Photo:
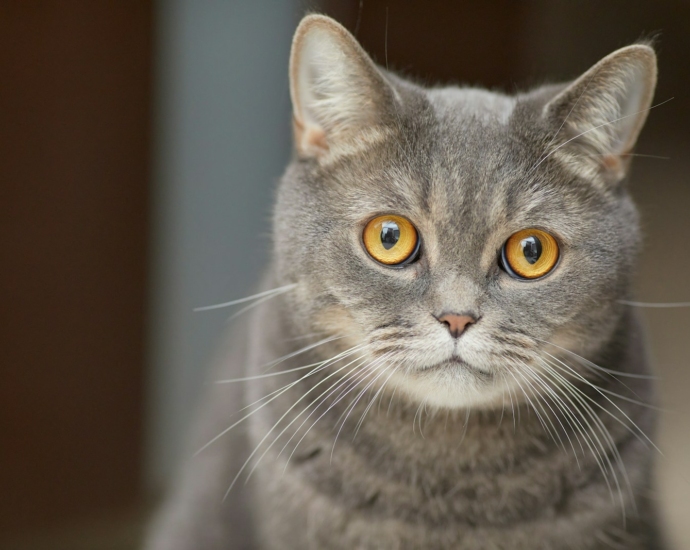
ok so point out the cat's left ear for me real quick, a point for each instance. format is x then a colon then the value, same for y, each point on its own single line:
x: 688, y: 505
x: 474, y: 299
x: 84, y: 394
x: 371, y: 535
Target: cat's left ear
x: 340, y: 99
x: 600, y: 115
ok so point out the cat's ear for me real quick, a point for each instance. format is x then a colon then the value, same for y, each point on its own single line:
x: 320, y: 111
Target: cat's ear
x: 339, y: 97
x: 599, y: 116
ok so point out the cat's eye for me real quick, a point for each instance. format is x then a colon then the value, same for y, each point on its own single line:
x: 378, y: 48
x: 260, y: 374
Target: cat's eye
x: 391, y: 240
x: 530, y: 254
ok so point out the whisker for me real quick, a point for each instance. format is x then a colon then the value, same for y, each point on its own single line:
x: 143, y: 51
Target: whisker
x: 510, y: 396
x: 353, y: 405
x: 654, y: 304
x: 390, y: 403
x: 546, y: 429
x: 592, y: 440
x: 272, y: 292
x: 268, y: 375
x: 270, y: 365
x: 305, y: 336
x: 589, y: 363
x: 277, y: 393
x: 595, y: 128
x: 350, y: 382
x: 560, y: 405
x: 253, y: 305
x: 628, y: 155
x: 353, y: 386
x: 322, y: 365
x: 258, y: 446
x: 572, y: 371
x: 347, y: 379
x: 316, y: 401
x: 364, y: 414
x: 580, y: 397
x: 414, y: 420
x: 543, y: 402
x: 464, y: 427
x: 555, y: 135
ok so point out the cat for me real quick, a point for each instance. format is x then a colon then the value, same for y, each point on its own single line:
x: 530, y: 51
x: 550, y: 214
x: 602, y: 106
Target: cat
x: 442, y: 356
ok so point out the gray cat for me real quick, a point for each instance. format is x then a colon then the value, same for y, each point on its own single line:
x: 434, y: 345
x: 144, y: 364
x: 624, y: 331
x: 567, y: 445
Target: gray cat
x: 447, y: 360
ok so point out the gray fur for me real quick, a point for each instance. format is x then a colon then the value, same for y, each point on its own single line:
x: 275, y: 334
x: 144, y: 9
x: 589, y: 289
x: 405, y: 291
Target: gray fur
x: 448, y: 456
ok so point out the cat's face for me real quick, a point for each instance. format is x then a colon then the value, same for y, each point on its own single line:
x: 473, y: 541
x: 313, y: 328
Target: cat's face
x: 396, y: 219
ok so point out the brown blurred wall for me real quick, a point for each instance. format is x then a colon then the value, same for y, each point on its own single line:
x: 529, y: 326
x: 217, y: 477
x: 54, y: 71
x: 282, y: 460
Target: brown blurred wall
x: 74, y: 144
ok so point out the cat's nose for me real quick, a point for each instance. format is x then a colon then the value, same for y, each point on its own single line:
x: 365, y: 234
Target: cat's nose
x: 456, y: 324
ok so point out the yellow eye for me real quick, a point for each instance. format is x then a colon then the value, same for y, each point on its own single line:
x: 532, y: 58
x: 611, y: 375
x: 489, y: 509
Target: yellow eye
x: 530, y: 253
x: 391, y: 240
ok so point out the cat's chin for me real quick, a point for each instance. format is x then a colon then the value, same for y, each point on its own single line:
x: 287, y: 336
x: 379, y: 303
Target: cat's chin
x: 452, y: 384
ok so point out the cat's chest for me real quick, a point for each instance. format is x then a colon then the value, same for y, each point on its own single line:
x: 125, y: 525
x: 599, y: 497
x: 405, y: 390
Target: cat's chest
x: 368, y: 457
x: 358, y: 499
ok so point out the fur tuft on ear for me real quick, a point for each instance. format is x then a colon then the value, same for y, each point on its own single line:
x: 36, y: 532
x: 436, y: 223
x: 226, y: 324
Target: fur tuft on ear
x: 339, y: 97
x: 600, y: 115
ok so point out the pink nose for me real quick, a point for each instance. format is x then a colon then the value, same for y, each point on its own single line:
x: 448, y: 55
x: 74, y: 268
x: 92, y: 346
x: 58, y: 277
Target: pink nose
x: 456, y: 324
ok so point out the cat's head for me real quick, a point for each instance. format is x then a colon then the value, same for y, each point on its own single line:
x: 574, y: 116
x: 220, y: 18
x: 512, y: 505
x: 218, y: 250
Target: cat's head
x: 455, y: 231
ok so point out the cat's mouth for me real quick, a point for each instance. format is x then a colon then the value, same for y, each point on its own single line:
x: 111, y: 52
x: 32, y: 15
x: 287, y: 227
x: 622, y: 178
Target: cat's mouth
x: 455, y: 362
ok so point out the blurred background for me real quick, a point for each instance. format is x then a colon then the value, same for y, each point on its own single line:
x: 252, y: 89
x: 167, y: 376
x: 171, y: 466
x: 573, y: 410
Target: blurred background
x: 140, y: 144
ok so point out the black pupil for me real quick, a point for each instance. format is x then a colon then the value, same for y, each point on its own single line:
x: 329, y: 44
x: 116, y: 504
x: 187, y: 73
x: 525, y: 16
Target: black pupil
x: 531, y: 248
x: 390, y: 234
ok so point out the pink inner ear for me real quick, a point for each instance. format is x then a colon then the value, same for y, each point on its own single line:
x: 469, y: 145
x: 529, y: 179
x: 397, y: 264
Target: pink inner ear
x: 613, y: 164
x: 310, y: 140
x: 315, y: 139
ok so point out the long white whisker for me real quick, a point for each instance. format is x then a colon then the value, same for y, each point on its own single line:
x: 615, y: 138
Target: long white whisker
x: 278, y: 393
x: 371, y: 367
x: 268, y: 375
x: 594, y: 366
x: 285, y: 358
x: 541, y: 418
x: 351, y: 382
x: 347, y: 379
x: 538, y: 380
x: 609, y: 372
x: 546, y: 429
x: 353, y: 405
x: 595, y: 128
x: 253, y: 305
x: 579, y: 395
x: 659, y: 157
x: 654, y: 304
x: 572, y: 371
x: 566, y: 118
x: 596, y: 447
x: 464, y: 428
x: 560, y: 405
x: 384, y: 369
x: 510, y: 395
x: 258, y: 446
x: 274, y: 291
x: 300, y: 351
x: 321, y: 366
x: 390, y: 403
x: 315, y: 402
x: 364, y: 414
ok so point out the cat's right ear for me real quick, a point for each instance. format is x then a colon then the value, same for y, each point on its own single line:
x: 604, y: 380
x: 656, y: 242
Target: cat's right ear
x: 600, y: 115
x: 339, y: 97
